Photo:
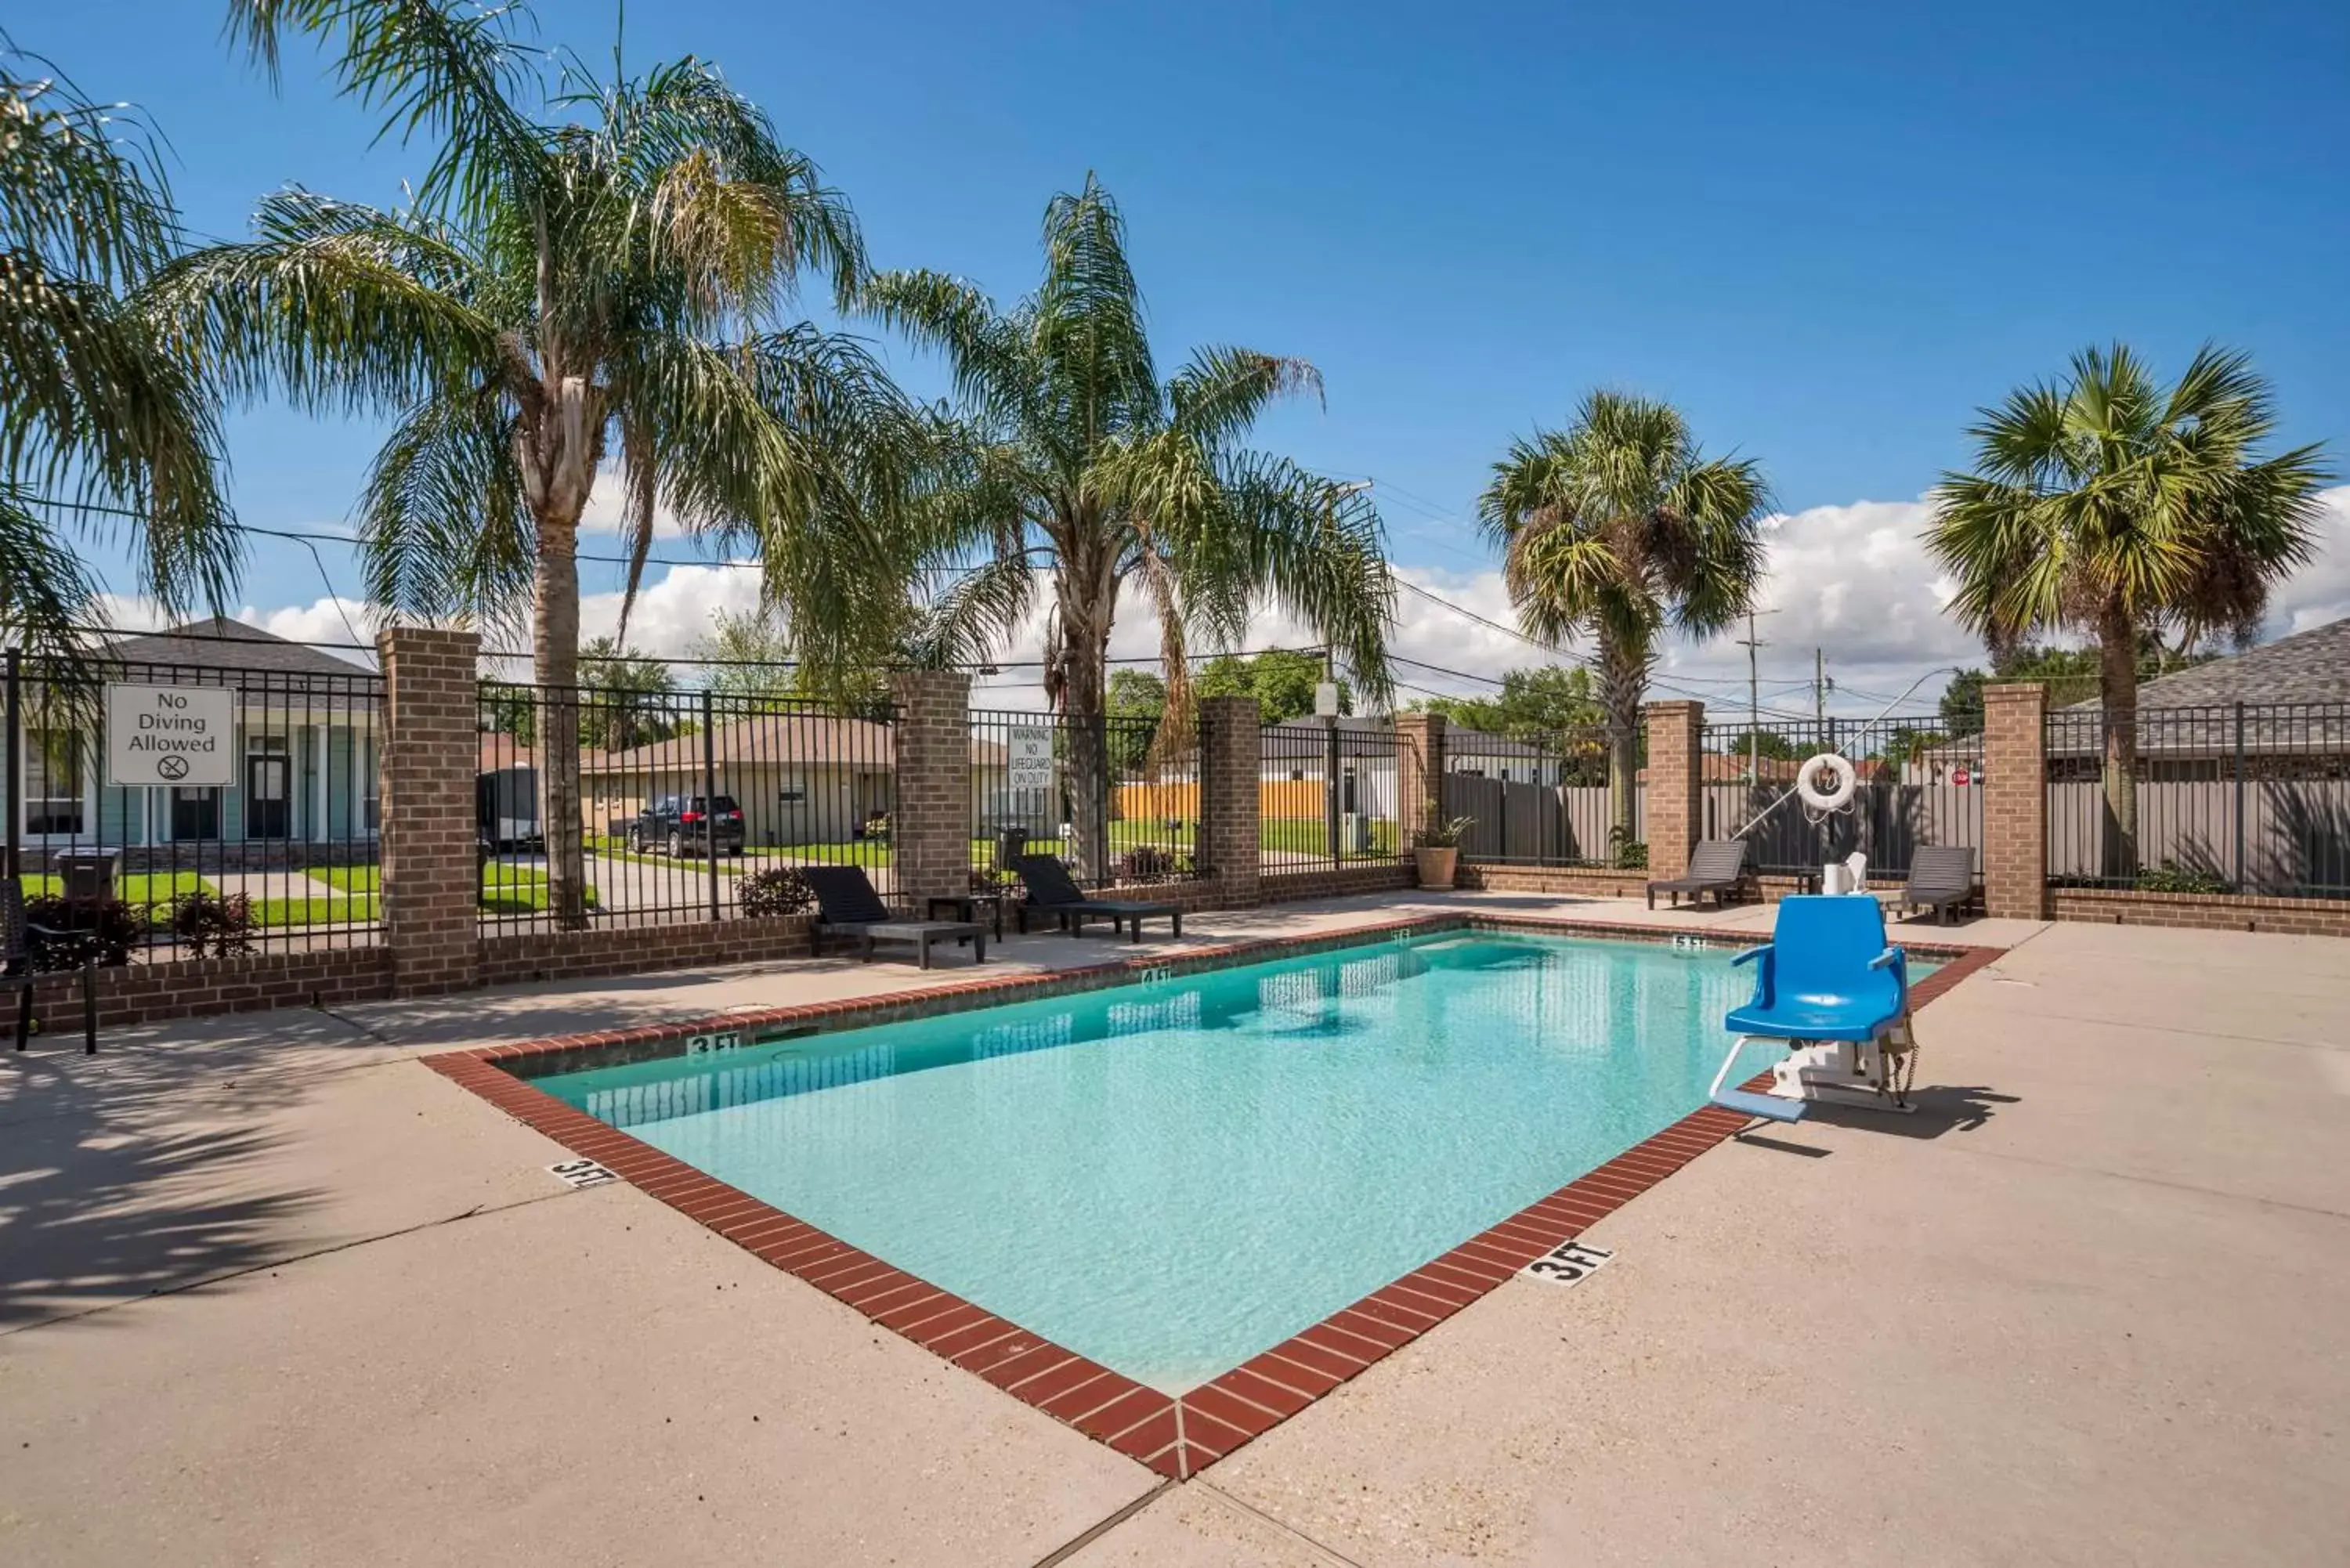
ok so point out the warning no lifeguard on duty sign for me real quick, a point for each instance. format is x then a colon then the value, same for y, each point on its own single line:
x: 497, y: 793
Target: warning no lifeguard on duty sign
x: 170, y: 735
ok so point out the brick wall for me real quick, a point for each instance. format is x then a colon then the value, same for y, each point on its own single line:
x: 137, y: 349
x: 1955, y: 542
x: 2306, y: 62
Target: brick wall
x: 187, y: 987
x: 2204, y: 912
x: 1676, y: 812
x: 929, y: 818
x: 2015, y: 802
x: 1420, y: 775
x: 640, y: 950
x: 431, y: 858
x: 1385, y: 877
x: 1231, y: 759
x: 1562, y: 881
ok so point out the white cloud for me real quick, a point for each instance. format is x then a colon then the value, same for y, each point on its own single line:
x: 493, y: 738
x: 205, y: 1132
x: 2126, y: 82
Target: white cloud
x: 607, y: 505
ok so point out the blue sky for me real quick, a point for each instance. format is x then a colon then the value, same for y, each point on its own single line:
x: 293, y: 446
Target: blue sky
x: 1827, y: 232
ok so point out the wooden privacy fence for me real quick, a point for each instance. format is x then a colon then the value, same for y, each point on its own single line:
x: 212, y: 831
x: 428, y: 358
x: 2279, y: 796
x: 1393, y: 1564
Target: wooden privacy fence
x: 1537, y: 823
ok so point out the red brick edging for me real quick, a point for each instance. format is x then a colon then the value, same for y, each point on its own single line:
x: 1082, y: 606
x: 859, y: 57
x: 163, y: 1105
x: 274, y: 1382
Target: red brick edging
x: 1177, y: 1436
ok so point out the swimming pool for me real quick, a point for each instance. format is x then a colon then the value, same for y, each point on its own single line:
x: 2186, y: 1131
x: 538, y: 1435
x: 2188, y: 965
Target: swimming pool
x: 1169, y: 1178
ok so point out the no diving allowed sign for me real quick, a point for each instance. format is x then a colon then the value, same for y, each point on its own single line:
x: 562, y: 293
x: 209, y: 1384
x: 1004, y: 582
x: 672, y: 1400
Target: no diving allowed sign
x: 170, y: 735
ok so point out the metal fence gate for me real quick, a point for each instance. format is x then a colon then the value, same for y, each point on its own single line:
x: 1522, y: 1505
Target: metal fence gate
x: 167, y: 809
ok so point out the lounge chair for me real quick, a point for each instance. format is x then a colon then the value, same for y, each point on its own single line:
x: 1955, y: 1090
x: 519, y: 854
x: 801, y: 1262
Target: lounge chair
x: 847, y: 906
x: 17, y: 934
x: 1828, y: 977
x: 1941, y: 878
x: 1717, y: 865
x: 1051, y: 890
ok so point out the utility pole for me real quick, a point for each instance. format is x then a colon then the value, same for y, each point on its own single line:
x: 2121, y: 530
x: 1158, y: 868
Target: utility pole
x: 1753, y: 646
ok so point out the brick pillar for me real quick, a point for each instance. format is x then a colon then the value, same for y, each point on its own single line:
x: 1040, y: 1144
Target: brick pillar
x: 2015, y: 801
x: 930, y: 813
x: 429, y: 847
x: 1420, y: 775
x: 1231, y: 764
x: 1676, y: 801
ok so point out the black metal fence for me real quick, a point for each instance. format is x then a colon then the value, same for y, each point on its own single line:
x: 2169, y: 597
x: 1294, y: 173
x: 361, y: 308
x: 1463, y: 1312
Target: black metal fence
x: 1539, y: 799
x: 1117, y: 798
x: 1910, y: 789
x: 205, y: 805
x: 685, y: 800
x: 2238, y: 798
x: 1327, y: 795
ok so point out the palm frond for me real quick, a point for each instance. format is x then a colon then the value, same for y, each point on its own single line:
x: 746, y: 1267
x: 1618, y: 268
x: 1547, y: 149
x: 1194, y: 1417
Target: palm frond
x: 341, y: 306
x: 45, y: 589
x: 447, y: 71
x: 443, y: 534
x: 1219, y: 394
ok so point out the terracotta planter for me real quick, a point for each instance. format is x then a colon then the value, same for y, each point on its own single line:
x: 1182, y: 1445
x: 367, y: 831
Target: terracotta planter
x: 1436, y: 866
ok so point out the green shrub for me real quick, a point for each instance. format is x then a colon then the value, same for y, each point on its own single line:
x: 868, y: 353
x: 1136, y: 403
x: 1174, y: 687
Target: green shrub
x: 214, y: 924
x: 2176, y: 878
x: 106, y: 933
x: 1146, y: 863
x: 777, y: 890
x: 1631, y: 855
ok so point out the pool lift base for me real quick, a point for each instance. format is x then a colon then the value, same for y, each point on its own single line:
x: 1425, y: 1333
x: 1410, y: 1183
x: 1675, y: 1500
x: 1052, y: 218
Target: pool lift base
x: 1864, y: 1073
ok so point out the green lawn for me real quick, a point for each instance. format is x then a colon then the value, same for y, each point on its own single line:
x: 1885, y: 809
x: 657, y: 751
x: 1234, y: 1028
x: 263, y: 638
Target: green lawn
x: 135, y: 888
x: 1311, y: 836
x: 516, y: 889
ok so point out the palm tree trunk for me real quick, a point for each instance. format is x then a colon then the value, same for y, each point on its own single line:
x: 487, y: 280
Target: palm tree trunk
x: 1085, y: 650
x: 554, y: 655
x: 1623, y: 681
x: 2117, y: 687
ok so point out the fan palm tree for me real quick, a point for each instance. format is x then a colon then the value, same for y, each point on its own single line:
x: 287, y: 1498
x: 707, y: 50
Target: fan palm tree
x: 1619, y: 526
x: 1081, y: 465
x: 587, y: 270
x: 100, y: 425
x: 2109, y: 505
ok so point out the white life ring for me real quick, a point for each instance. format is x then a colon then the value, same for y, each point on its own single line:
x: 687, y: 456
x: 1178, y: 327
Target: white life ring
x: 1847, y: 778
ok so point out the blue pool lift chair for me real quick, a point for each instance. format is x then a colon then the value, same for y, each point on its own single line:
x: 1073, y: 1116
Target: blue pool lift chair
x: 1829, y: 976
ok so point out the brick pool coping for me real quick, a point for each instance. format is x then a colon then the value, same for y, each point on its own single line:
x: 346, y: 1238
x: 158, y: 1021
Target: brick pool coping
x: 1178, y: 1436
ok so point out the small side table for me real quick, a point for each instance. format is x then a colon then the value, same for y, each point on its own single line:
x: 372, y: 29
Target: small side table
x: 965, y: 906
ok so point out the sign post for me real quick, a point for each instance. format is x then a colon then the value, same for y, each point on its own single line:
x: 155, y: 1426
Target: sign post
x: 165, y: 735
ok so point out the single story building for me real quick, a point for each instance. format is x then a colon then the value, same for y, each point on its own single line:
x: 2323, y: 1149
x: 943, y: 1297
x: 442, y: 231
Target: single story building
x: 303, y: 751
x: 800, y: 777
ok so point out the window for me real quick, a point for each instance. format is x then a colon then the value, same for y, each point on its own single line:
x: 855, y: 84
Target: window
x: 52, y: 781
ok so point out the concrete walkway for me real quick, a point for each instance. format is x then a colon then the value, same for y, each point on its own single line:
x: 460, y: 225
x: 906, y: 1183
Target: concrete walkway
x: 271, y: 1291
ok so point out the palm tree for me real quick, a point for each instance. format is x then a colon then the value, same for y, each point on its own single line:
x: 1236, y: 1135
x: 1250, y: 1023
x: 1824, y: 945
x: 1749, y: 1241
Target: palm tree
x: 100, y: 425
x: 1618, y: 526
x: 1081, y: 465
x: 587, y: 269
x: 2109, y: 505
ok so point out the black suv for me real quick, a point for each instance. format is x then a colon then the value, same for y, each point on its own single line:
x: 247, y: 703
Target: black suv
x: 686, y: 823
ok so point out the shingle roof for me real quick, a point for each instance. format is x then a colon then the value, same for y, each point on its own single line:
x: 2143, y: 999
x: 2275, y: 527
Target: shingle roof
x: 801, y: 739
x: 2311, y: 666
x: 221, y: 643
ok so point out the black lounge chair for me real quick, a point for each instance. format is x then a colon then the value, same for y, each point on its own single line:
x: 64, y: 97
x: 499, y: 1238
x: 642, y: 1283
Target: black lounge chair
x: 1717, y: 865
x: 1941, y: 878
x: 1051, y: 890
x: 17, y: 934
x: 847, y: 906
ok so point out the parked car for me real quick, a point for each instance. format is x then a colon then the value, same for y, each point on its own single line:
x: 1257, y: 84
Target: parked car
x: 686, y: 823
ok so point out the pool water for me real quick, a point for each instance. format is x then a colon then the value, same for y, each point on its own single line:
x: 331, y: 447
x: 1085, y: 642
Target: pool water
x: 1171, y: 1177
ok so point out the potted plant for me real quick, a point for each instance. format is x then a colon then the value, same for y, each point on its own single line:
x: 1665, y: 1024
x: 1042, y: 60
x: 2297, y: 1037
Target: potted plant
x: 1438, y: 850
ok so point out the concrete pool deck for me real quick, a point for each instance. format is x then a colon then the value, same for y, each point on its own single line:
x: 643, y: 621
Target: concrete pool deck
x: 2084, y: 1307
